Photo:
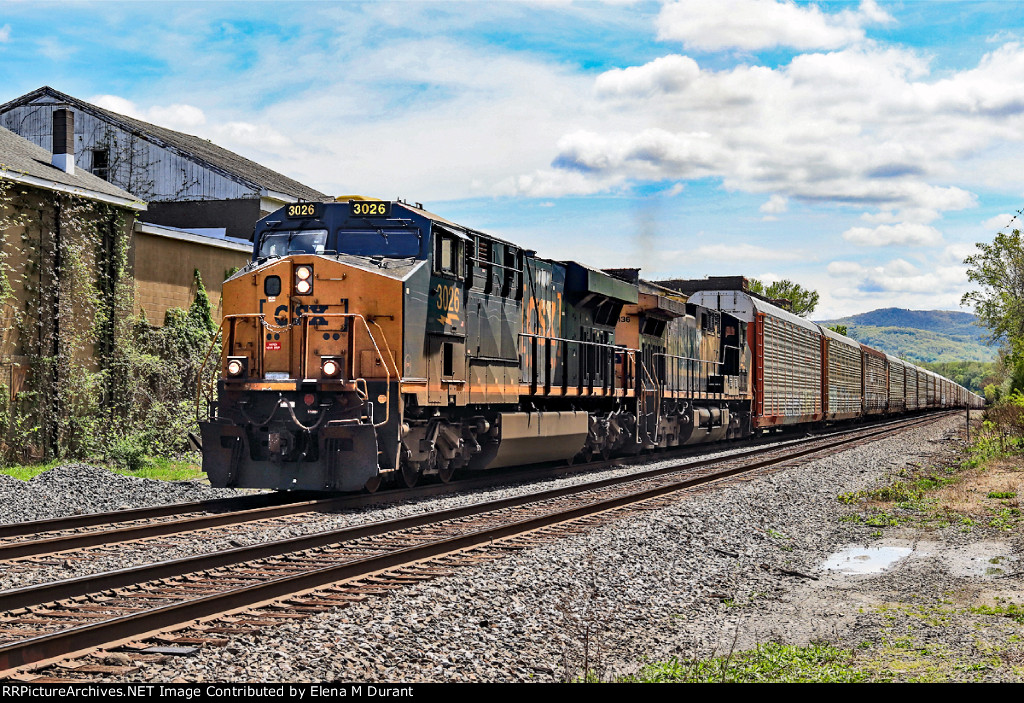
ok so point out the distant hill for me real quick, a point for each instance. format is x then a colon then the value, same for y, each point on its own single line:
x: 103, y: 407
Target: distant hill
x: 920, y: 335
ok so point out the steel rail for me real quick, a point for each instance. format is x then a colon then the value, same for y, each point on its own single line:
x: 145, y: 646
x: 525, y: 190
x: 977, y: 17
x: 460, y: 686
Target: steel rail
x: 277, y: 505
x: 91, y: 635
x: 69, y: 588
x: 71, y: 522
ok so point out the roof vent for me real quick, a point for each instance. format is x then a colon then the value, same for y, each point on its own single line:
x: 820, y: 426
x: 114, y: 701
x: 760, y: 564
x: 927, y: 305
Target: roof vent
x: 64, y: 140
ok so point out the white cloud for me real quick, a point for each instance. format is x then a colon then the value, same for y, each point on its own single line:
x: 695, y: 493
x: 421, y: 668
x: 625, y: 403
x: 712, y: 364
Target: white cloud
x: 845, y: 268
x: 865, y: 126
x: 903, y: 234
x: 932, y: 285
x: 920, y: 215
x: 5, y: 34
x: 177, y: 116
x: 55, y: 49
x: 763, y: 24
x: 668, y: 74
x: 775, y: 205
x: 999, y: 223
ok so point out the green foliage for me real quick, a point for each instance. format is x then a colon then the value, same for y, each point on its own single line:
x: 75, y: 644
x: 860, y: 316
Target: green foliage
x: 156, y: 410
x: 839, y: 329
x: 922, y: 346
x: 767, y: 663
x: 801, y: 301
x: 947, y: 322
x: 99, y: 383
x: 1004, y: 423
x: 973, y: 375
x: 992, y: 393
x: 999, y: 269
x: 75, y: 292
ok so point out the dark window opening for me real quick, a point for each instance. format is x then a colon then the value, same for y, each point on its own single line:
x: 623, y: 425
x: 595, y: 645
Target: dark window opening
x: 101, y: 163
x: 272, y: 285
x: 653, y: 326
x: 448, y: 353
x: 448, y: 256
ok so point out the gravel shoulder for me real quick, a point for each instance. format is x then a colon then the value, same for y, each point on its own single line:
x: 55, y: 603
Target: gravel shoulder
x: 717, y: 572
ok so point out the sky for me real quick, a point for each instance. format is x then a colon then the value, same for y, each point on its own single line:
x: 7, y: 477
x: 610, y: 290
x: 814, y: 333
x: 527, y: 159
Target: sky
x: 858, y: 148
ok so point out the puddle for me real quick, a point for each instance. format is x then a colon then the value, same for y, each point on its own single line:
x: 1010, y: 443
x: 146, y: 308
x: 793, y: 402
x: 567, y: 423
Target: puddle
x: 865, y: 560
x: 985, y: 559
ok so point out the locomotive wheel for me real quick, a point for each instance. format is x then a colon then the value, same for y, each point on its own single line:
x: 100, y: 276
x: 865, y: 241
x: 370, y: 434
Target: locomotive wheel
x: 372, y: 484
x: 446, y: 474
x: 410, y: 475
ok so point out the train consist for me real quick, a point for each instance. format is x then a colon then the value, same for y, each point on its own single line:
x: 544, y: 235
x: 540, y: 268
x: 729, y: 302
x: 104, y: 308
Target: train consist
x: 372, y: 342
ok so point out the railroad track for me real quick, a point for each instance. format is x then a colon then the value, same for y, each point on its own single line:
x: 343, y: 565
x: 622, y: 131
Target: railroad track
x: 80, y: 532
x: 44, y: 622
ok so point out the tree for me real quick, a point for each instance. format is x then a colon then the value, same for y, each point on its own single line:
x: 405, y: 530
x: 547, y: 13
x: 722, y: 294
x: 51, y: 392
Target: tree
x: 839, y: 329
x: 799, y: 300
x: 999, y: 269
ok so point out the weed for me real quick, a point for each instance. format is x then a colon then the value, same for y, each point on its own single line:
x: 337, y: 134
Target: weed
x: 1012, y: 611
x: 770, y: 662
x: 585, y: 619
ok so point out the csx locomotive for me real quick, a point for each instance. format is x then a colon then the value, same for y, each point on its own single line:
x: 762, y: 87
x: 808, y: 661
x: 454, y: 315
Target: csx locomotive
x: 371, y: 342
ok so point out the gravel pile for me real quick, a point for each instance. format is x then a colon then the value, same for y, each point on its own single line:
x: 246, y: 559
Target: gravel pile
x: 74, y: 489
x: 722, y: 570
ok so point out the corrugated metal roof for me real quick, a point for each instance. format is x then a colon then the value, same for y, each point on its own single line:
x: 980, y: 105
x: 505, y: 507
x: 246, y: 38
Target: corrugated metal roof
x: 743, y: 306
x: 197, y: 148
x: 19, y: 156
x: 842, y: 338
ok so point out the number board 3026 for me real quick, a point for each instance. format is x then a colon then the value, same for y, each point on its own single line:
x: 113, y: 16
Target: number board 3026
x: 370, y: 208
x: 304, y: 210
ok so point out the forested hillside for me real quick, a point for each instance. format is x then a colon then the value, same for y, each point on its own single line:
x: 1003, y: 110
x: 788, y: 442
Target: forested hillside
x: 920, y: 336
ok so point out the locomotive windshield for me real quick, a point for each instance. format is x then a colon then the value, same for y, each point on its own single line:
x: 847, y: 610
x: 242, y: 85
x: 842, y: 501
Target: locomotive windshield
x: 310, y: 241
x: 396, y: 243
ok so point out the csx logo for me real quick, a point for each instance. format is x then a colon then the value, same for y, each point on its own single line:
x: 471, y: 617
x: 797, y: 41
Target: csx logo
x: 281, y: 314
x: 449, y: 303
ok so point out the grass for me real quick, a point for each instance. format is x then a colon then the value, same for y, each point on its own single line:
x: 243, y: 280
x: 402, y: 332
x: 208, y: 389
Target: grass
x: 158, y: 468
x: 980, y: 491
x: 770, y: 662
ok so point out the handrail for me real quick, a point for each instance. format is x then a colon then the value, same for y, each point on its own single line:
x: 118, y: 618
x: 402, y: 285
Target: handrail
x: 302, y: 320
x: 351, y: 361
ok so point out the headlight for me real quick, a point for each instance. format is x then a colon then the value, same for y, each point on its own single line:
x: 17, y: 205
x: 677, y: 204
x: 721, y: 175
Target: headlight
x: 236, y: 366
x: 330, y: 366
x: 303, y: 280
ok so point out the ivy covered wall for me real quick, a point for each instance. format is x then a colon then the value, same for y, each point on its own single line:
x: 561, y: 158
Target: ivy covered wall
x: 66, y: 302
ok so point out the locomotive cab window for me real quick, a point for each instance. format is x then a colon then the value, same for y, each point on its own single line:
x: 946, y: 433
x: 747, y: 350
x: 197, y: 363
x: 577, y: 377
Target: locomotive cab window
x: 310, y: 241
x: 448, y: 255
x: 391, y: 244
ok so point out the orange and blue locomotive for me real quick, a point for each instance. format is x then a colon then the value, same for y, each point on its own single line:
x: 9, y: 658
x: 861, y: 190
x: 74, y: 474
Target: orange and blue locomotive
x: 371, y: 342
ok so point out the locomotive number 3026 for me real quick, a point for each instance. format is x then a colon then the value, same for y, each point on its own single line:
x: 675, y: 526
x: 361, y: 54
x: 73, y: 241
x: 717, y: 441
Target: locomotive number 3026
x: 371, y: 208
x: 302, y: 210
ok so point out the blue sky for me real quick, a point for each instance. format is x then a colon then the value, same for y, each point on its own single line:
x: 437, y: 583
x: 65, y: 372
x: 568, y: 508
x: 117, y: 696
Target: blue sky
x: 858, y: 148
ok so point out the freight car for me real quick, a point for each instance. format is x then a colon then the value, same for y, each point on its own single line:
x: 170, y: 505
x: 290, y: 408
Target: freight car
x: 371, y: 342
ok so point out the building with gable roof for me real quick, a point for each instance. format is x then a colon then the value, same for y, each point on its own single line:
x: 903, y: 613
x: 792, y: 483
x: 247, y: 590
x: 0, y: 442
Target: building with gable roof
x: 188, y: 182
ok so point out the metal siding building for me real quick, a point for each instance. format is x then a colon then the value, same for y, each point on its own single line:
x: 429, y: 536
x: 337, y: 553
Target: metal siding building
x: 189, y: 182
